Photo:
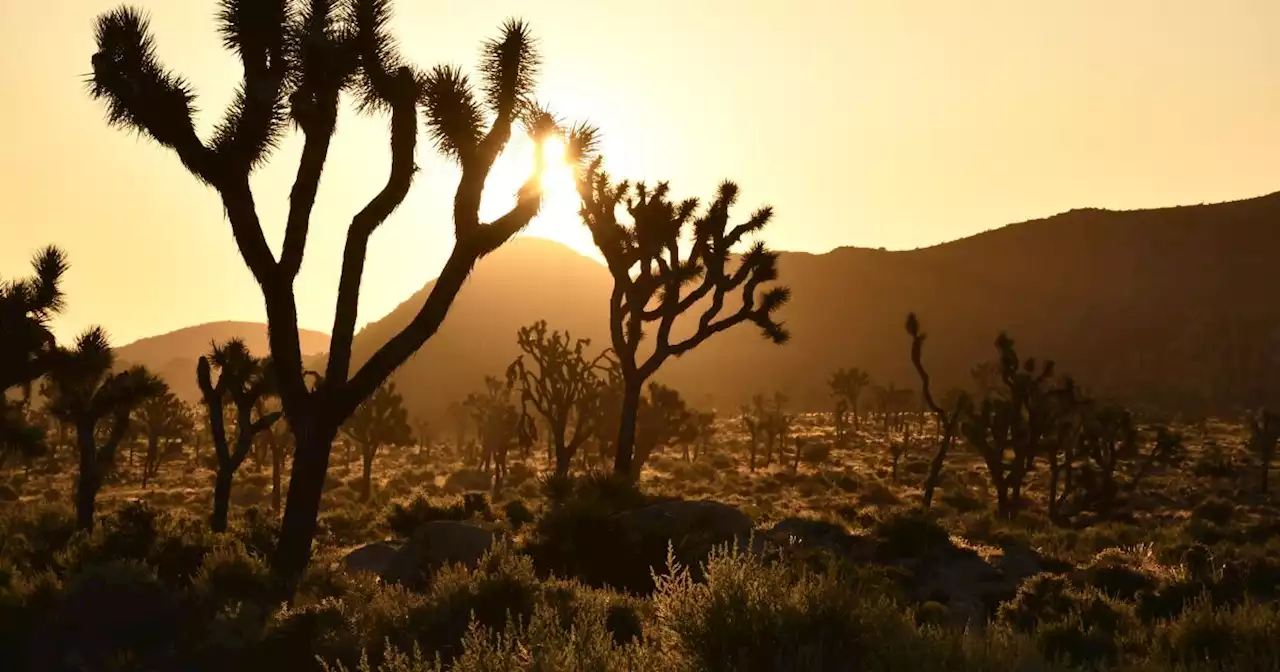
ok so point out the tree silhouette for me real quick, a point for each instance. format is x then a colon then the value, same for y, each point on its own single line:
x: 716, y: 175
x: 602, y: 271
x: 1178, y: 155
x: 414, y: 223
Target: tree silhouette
x: 499, y: 426
x: 1013, y: 423
x: 561, y: 384
x: 243, y: 380
x: 668, y: 262
x: 164, y: 418
x: 380, y: 421
x: 846, y: 386
x: 27, y: 346
x: 1264, y: 438
x: 663, y: 420
x: 948, y: 417
x: 82, y: 389
x: 299, y: 58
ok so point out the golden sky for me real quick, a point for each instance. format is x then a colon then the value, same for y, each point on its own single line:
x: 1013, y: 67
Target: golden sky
x: 894, y: 123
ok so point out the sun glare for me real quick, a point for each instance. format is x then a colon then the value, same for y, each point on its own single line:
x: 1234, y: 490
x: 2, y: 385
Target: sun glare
x: 558, y: 220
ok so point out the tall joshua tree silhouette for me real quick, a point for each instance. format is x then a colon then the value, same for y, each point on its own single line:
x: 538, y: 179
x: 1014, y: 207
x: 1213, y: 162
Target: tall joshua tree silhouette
x: 659, y: 276
x: 299, y: 57
x: 245, y: 381
x: 27, y: 345
x: 83, y: 390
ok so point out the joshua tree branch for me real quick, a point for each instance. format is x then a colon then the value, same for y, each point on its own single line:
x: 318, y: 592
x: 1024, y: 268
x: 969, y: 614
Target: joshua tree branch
x: 403, y: 143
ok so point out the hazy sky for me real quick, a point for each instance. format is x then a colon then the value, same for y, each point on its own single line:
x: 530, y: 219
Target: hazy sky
x: 895, y: 123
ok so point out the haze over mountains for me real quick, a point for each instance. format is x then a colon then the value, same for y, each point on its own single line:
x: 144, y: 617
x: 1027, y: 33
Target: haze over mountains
x: 173, y: 355
x: 1166, y: 305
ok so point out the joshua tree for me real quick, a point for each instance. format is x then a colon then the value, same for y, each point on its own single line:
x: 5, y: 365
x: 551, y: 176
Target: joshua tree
x: 27, y: 346
x: 83, y: 390
x: 704, y: 426
x: 243, y: 380
x: 424, y: 433
x: 499, y: 426
x: 1264, y: 437
x: 299, y: 58
x: 759, y: 420
x: 459, y: 419
x: 668, y: 262
x: 948, y: 417
x: 846, y: 386
x: 164, y: 418
x: 380, y: 421
x: 664, y: 419
x: 1014, y: 423
x: 561, y: 384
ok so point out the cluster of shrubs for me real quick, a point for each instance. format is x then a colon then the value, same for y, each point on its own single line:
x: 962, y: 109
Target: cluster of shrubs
x: 571, y: 589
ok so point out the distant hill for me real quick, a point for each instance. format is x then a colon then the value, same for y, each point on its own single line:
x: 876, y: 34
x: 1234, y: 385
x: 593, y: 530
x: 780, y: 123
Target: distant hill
x: 1157, y: 306
x: 173, y: 355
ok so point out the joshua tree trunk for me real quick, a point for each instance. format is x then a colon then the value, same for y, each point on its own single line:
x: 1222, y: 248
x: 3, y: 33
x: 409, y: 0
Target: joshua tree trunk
x: 366, y: 478
x: 277, y: 466
x: 221, y: 497
x: 622, y: 460
x: 86, y: 494
x: 564, y: 457
x: 302, y: 505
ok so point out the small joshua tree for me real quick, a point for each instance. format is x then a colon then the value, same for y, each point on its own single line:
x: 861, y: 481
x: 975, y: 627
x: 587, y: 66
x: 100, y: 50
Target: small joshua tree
x: 664, y: 419
x: 380, y: 421
x: 659, y: 275
x: 948, y: 417
x: 299, y: 59
x: 499, y: 426
x: 165, y: 419
x: 1264, y: 437
x: 704, y: 430
x: 846, y: 387
x: 1008, y: 429
x: 27, y: 346
x: 561, y: 384
x: 243, y: 380
x: 83, y: 390
x: 424, y: 433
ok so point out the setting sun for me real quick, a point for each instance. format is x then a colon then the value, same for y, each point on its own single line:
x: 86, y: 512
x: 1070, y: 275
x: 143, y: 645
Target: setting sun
x: 558, y: 219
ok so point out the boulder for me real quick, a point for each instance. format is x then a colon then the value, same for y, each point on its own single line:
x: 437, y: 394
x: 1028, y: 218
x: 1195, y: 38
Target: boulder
x: 373, y: 558
x: 437, y: 543
x: 807, y: 533
x: 693, y: 527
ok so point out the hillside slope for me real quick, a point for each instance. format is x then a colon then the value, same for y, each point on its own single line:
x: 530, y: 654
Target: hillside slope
x: 173, y: 355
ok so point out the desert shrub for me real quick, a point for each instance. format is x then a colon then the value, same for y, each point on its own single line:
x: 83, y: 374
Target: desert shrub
x: 750, y: 615
x: 231, y: 574
x: 468, y: 479
x: 722, y: 462
x: 257, y: 530
x: 1080, y: 625
x: 349, y: 525
x: 910, y: 533
x: 25, y: 600
x: 33, y: 538
x: 1111, y: 572
x: 403, y: 518
x: 296, y: 636
x: 1216, y: 510
x: 541, y: 642
x: 503, y: 586
x: 583, y: 536
x: 518, y: 513
x: 114, y: 611
x: 1246, y: 637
